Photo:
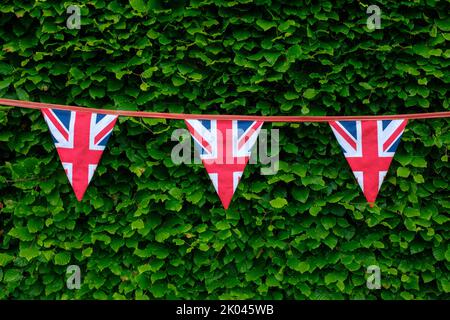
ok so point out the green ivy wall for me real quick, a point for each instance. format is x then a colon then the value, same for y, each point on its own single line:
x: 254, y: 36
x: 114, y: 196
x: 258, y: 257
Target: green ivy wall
x: 150, y: 229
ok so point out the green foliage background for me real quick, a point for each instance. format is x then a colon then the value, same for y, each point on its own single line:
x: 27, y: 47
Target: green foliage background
x: 150, y: 229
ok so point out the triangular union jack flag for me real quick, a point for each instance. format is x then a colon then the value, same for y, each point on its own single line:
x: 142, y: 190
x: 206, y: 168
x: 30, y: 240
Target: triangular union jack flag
x: 225, y: 148
x: 369, y: 147
x: 80, y: 138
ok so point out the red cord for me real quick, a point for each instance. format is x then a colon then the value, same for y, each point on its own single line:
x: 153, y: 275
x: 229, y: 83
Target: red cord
x: 182, y: 116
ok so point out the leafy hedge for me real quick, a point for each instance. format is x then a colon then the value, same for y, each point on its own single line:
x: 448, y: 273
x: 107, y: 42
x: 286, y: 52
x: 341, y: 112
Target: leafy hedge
x: 150, y: 229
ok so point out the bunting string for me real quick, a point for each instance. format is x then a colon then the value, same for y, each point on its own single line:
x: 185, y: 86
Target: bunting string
x: 185, y: 116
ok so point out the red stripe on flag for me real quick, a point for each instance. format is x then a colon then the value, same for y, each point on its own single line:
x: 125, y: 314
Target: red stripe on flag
x: 105, y: 130
x: 344, y: 134
x: 56, y: 123
x: 249, y: 133
x: 395, y: 135
x: 198, y: 137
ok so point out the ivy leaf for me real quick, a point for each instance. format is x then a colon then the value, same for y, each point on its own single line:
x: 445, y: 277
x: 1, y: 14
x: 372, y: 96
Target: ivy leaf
x: 222, y: 225
x: 278, y: 203
x: 296, y: 264
x: 21, y: 233
x: 291, y: 95
x: 447, y: 254
x: 403, y: 172
x: 173, y: 205
x: 97, y: 92
x: 159, y: 289
x: 5, y: 259
x: 29, y: 252
x: 137, y: 224
x: 265, y: 25
x: 419, y: 162
x: 5, y: 69
x: 300, y: 194
x: 294, y: 53
x: 162, y: 235
x: 138, y: 5
x: 5, y: 83
x: 12, y: 275
x: 62, y: 258
x: 87, y: 252
x: 309, y: 93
